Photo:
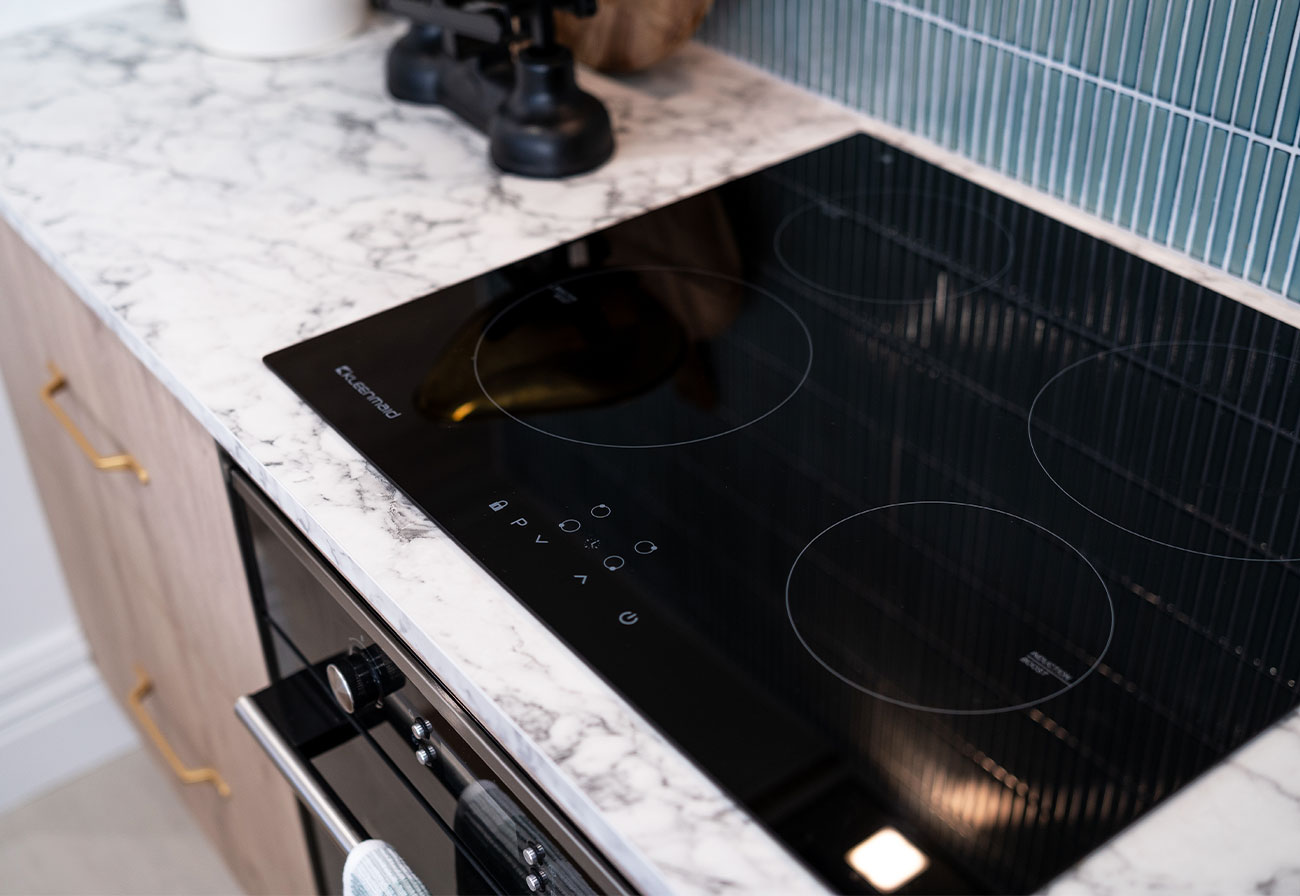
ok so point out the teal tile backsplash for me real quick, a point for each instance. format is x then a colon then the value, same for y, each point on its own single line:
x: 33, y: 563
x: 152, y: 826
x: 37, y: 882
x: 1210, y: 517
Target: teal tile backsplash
x: 1176, y: 119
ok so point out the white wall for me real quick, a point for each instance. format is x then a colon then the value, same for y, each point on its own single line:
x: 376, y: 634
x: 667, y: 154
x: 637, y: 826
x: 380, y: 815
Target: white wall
x: 33, y: 598
x: 56, y: 719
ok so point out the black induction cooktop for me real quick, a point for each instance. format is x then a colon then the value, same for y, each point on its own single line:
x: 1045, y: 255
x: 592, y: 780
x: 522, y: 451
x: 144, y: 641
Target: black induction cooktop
x: 919, y: 520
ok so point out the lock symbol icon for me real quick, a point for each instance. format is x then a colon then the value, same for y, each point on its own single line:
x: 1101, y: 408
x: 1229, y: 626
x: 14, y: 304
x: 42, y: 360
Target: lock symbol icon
x: 499, y: 505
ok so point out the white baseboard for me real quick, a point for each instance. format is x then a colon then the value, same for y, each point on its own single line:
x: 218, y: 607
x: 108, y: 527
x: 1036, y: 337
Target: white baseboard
x: 57, y: 719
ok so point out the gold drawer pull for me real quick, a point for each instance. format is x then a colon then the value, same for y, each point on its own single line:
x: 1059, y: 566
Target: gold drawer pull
x: 135, y: 699
x: 102, y: 462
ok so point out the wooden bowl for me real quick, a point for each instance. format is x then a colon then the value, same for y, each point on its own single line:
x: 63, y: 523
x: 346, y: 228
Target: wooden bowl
x: 630, y: 35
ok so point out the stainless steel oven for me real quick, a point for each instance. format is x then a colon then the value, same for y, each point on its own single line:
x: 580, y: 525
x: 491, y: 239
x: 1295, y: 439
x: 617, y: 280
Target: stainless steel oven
x: 376, y: 747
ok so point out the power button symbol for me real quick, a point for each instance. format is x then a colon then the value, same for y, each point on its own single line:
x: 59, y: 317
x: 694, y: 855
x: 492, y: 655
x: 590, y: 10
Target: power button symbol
x: 627, y: 617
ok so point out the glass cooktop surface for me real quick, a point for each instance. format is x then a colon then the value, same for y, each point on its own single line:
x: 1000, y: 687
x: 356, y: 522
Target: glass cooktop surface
x: 947, y: 539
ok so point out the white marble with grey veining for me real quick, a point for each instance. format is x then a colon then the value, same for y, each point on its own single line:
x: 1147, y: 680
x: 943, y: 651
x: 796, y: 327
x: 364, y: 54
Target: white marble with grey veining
x: 211, y: 211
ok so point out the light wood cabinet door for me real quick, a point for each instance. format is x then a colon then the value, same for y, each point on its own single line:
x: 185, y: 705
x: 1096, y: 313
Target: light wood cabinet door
x: 154, y: 569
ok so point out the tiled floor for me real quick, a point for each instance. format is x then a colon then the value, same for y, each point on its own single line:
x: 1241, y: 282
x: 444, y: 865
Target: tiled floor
x: 117, y: 830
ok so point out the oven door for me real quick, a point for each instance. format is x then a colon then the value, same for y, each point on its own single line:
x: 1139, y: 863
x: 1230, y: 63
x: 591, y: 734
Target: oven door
x: 377, y: 748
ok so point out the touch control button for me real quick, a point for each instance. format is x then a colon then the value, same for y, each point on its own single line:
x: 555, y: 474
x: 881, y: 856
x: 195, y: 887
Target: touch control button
x: 627, y: 617
x: 645, y: 547
x: 570, y: 526
x: 600, y: 511
x: 613, y: 562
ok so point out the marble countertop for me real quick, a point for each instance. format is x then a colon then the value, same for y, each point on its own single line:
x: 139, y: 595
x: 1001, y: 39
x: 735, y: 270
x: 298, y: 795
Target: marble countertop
x: 211, y: 211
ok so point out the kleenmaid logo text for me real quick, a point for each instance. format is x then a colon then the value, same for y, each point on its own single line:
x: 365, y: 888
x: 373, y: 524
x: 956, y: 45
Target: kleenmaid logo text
x: 367, y: 393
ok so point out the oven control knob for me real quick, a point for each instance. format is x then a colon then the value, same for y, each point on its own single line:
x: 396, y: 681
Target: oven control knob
x: 363, y: 677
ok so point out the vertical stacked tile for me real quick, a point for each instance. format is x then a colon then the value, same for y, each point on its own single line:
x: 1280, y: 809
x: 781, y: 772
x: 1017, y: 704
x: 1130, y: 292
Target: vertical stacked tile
x: 1176, y: 119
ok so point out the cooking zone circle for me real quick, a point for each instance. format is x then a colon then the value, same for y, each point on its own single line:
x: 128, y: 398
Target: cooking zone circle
x: 643, y: 357
x: 1191, y: 445
x: 949, y: 608
x: 893, y: 247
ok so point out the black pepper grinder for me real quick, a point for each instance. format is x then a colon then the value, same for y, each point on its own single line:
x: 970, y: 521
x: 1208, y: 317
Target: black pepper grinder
x: 538, y: 121
x: 548, y: 126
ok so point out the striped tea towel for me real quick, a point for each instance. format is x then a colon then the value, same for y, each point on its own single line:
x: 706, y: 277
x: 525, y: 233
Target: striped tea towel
x: 374, y: 868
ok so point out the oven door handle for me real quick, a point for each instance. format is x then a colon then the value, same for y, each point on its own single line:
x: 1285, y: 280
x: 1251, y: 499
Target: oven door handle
x: 313, y: 792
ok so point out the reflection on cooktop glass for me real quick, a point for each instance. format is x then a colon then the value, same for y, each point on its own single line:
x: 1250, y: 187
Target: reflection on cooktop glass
x: 947, y: 539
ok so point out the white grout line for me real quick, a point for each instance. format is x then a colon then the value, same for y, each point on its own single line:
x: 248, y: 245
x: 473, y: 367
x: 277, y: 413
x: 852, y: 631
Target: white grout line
x: 995, y: 104
x: 950, y: 101
x: 1195, y: 217
x: 1192, y: 122
x: 1252, y: 243
x: 859, y: 81
x: 1112, y: 129
x: 1126, y: 153
x: 926, y: 65
x: 1022, y: 151
x: 1111, y: 119
x: 1175, y: 84
x: 1018, y: 80
x: 893, y: 86
x: 1215, y: 218
x: 1145, y: 161
x: 968, y: 49
x: 843, y: 47
x: 1269, y: 40
x: 1084, y: 46
x: 1065, y: 81
x: 1018, y: 85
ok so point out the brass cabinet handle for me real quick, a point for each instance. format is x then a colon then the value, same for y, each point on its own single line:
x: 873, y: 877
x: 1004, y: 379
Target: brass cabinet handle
x: 101, y: 461
x: 135, y: 699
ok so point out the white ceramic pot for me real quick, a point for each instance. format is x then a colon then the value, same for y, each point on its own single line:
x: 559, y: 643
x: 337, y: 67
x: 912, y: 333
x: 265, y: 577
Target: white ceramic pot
x: 265, y: 29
